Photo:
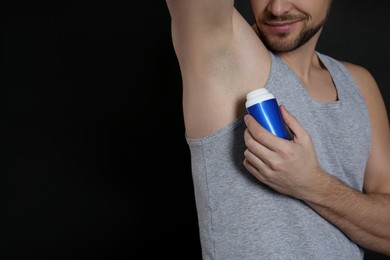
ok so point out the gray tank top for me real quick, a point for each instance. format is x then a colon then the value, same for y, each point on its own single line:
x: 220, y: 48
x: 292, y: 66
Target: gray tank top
x: 240, y: 218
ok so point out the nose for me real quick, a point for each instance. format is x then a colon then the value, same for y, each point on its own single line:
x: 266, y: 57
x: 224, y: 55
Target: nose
x: 279, y: 7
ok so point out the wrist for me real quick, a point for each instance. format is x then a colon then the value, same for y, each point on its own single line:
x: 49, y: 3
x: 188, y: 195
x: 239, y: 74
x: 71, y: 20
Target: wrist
x: 322, y: 189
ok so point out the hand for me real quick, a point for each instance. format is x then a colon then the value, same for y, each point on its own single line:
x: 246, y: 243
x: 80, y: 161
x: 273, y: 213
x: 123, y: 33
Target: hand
x: 289, y: 167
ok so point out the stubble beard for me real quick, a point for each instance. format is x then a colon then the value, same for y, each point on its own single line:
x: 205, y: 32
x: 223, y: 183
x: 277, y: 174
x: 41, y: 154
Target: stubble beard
x: 282, y: 44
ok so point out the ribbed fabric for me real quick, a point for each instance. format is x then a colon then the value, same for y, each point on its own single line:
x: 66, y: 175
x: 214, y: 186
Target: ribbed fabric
x: 240, y: 218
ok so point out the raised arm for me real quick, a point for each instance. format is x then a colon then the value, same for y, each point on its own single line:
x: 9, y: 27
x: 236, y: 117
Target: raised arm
x: 221, y: 59
x: 197, y: 24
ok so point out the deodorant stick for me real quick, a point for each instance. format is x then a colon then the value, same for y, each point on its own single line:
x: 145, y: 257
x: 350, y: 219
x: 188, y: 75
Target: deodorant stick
x: 263, y: 106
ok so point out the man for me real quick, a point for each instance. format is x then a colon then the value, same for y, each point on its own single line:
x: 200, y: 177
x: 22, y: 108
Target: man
x: 323, y: 195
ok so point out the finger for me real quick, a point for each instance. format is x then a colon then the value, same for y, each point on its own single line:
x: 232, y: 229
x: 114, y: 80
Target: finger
x: 254, y: 160
x: 253, y: 170
x: 255, y: 147
x: 262, y: 135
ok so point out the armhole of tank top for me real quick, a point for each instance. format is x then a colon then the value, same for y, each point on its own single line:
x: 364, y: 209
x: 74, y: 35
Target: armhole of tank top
x: 349, y: 77
x: 221, y: 132
x: 273, y: 61
x: 346, y: 73
x: 239, y: 121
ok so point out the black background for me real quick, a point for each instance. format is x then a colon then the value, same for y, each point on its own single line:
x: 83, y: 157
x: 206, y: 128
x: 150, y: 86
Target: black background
x: 94, y: 160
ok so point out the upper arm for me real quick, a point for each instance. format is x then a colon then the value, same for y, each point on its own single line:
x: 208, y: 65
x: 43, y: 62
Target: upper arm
x: 377, y: 177
x: 198, y: 23
x: 221, y: 58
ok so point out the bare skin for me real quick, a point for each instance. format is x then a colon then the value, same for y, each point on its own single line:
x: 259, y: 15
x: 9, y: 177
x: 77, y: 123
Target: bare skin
x: 222, y: 58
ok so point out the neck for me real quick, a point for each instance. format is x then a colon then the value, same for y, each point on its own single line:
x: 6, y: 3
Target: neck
x: 304, y: 59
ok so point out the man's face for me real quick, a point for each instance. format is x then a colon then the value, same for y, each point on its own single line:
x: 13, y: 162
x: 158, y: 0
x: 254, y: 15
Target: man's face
x: 285, y: 25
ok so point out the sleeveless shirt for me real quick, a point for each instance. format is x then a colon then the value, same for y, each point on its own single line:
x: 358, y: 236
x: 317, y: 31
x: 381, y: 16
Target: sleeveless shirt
x: 241, y: 218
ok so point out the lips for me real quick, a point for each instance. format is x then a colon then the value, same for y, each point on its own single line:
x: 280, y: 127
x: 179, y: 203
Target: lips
x: 281, y: 27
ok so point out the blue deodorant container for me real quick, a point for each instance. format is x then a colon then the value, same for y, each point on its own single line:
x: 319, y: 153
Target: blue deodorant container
x: 263, y: 106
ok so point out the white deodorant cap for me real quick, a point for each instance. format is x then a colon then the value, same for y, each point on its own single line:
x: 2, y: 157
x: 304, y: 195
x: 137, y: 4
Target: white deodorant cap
x: 257, y: 96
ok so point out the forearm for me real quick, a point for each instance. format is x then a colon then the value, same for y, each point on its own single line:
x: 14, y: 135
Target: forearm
x: 365, y: 218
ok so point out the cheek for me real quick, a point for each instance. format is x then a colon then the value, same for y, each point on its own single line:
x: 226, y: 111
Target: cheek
x: 317, y: 14
x: 319, y: 9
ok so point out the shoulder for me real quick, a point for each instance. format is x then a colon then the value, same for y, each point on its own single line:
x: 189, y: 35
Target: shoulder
x: 367, y: 86
x: 362, y: 77
x: 377, y: 177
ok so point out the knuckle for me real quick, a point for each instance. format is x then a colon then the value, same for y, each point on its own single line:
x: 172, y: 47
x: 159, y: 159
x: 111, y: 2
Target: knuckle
x: 250, y: 143
x: 307, y: 138
x: 287, y: 150
x: 259, y: 135
x: 274, y: 165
